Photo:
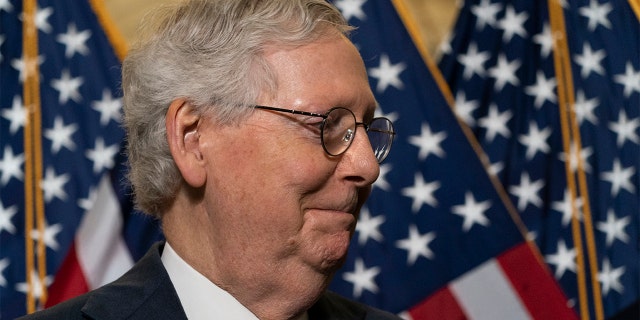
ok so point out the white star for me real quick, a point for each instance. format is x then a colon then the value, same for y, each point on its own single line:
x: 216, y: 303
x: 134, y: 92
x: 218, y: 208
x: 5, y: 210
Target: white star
x: 60, y: 135
x: 464, y: 108
x: 543, y: 90
x: 68, y: 87
x: 87, y: 203
x: 496, y: 123
x: 527, y: 191
x: 11, y: 166
x: 26, y: 66
x: 6, y: 214
x: 472, y: 212
x: 4, y: 263
x: 421, y: 192
x: 102, y: 157
x: 614, y: 228
x: 41, y: 19
x: 536, y: 140
x: 74, y: 41
x: 610, y: 278
x: 362, y: 278
x: 590, y: 61
x: 473, y: 61
x: 49, y: 236
x: 619, y: 178
x: 351, y: 8
x: 496, y: 168
x: 597, y: 14
x: 387, y: 74
x: 485, y: 13
x: 625, y: 128
x: 38, y: 285
x: 6, y: 5
x: 505, y: 72
x: 564, y: 259
x: 108, y: 107
x: 53, y: 185
x: 630, y: 80
x: 585, y: 108
x: 577, y: 157
x: 565, y: 207
x: 513, y: 23
x: 17, y: 115
x: 545, y: 40
x: 369, y: 227
x: 428, y: 142
x: 417, y: 245
x: 382, y: 182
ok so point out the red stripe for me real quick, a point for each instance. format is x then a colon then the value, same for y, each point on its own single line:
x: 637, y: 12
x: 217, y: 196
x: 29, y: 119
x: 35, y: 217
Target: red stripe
x: 69, y: 281
x: 440, y: 305
x: 536, y: 287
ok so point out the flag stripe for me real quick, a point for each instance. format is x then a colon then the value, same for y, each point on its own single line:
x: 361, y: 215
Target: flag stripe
x: 441, y: 305
x: 70, y: 280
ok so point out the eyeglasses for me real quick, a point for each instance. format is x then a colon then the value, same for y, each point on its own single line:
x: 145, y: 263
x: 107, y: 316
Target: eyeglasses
x: 338, y: 129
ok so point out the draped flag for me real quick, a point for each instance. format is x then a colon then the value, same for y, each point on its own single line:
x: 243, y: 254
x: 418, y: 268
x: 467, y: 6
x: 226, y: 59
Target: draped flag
x: 66, y: 222
x: 503, y: 208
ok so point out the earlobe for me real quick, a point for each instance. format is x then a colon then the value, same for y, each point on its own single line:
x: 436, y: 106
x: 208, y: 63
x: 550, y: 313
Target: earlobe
x: 182, y: 123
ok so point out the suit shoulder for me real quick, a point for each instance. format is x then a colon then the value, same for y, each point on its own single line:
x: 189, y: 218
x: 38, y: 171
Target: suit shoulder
x: 333, y: 306
x: 67, y: 310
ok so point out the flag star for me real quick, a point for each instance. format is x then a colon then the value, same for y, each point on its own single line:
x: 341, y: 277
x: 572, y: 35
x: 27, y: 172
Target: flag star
x: 428, y: 142
x: 577, y: 157
x: 393, y: 116
x: 513, y: 23
x: 630, y: 80
x: 26, y: 66
x: 38, y: 286
x: 485, y: 13
x: 387, y: 74
x: 445, y: 45
x: 527, y: 191
x: 543, y: 90
x: 362, y: 278
x: 17, y: 115
x: 4, y: 263
x: 382, y: 182
x: 614, y: 228
x: 74, y: 41
x: 49, y: 235
x: 535, y: 140
x: 545, y: 40
x: 596, y: 14
x: 42, y: 15
x: 610, y: 278
x: 585, y: 108
x: 472, y: 212
x: 6, y: 214
x: 60, y: 135
x: 625, y: 128
x: 53, y: 185
x: 11, y: 166
x: 351, y: 8
x: 473, y: 61
x: 102, y: 156
x: 496, y: 168
x: 564, y: 259
x: 369, y: 227
x: 6, y: 5
x: 505, y: 72
x: 619, y: 178
x: 417, y: 245
x: 68, y: 87
x: 108, y: 107
x: 590, y: 61
x: 464, y: 108
x: 496, y: 123
x: 87, y: 203
x: 421, y: 192
x: 566, y: 208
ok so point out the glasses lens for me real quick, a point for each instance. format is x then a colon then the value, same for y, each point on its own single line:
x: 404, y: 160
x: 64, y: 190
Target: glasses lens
x: 338, y: 131
x: 380, y: 136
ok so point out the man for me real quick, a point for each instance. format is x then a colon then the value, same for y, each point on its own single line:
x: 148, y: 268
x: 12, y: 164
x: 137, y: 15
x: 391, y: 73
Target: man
x: 251, y: 135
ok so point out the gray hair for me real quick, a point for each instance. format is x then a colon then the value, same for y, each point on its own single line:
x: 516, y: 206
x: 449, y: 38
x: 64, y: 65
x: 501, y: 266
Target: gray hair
x: 210, y: 54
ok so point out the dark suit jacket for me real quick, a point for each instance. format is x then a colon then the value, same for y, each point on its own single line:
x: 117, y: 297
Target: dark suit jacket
x: 146, y: 292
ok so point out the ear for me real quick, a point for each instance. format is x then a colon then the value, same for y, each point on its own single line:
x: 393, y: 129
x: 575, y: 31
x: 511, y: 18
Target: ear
x: 182, y: 122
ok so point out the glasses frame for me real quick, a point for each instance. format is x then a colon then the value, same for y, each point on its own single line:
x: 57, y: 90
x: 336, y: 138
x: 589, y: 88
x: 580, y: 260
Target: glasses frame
x: 367, y: 127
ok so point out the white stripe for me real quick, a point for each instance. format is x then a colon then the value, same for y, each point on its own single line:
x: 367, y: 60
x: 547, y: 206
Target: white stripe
x: 102, y: 253
x: 485, y: 293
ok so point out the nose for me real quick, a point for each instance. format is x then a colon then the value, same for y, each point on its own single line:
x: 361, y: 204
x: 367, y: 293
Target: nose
x: 359, y: 163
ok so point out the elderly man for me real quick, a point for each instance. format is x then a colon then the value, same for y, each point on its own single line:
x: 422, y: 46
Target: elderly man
x: 251, y: 135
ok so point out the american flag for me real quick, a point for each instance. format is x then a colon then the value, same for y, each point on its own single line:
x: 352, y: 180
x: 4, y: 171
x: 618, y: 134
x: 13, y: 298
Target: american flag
x: 66, y: 223
x: 524, y: 204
